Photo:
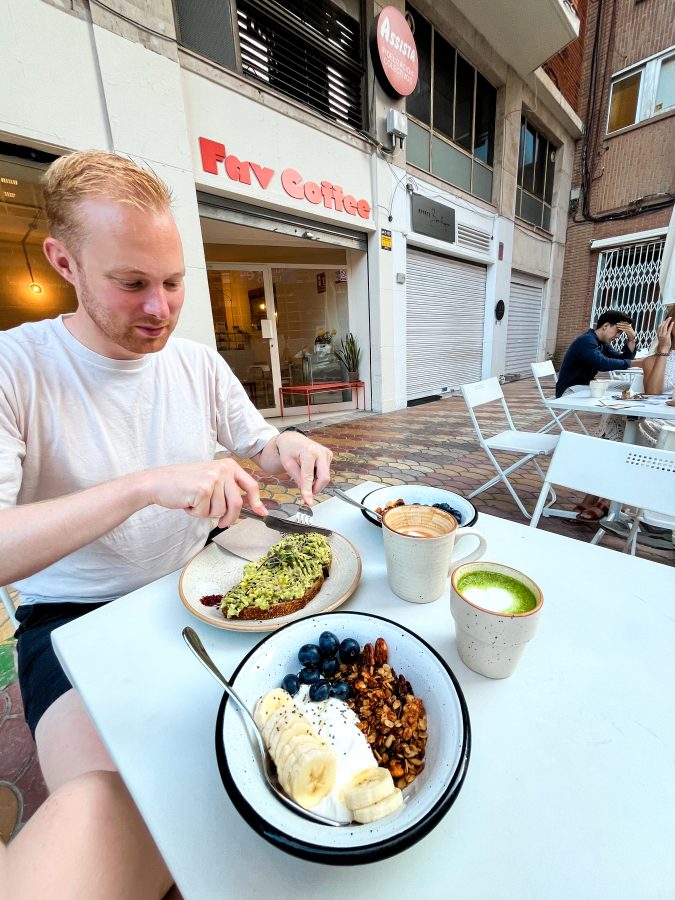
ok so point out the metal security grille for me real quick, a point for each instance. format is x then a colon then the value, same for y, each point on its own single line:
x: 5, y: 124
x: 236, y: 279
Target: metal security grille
x: 308, y: 51
x: 628, y: 279
x: 445, y: 312
x: 526, y: 299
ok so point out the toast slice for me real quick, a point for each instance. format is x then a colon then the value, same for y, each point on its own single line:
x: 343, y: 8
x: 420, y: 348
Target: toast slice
x: 290, y: 574
x: 286, y: 607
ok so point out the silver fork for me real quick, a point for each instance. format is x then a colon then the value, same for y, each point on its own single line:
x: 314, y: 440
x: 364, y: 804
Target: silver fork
x: 304, y: 515
x: 268, y: 768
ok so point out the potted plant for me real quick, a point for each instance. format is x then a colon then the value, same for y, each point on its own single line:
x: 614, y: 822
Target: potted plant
x: 349, y: 354
x: 323, y: 342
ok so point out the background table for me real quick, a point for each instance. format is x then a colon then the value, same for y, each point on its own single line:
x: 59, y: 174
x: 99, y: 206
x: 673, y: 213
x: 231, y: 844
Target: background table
x: 570, y: 790
x: 583, y: 402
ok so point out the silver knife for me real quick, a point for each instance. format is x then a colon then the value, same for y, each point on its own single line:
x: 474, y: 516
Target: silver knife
x: 278, y: 524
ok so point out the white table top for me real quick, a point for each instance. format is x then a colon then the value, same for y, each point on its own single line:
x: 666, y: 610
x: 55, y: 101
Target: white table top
x: 570, y: 789
x: 582, y: 401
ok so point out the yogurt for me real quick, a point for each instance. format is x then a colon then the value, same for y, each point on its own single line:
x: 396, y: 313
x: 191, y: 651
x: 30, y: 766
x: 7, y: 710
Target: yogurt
x: 336, y: 724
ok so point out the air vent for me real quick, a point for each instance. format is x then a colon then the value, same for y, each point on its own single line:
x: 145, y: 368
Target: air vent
x: 473, y: 239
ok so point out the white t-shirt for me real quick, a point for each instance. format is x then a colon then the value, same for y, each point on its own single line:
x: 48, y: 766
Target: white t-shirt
x: 71, y: 419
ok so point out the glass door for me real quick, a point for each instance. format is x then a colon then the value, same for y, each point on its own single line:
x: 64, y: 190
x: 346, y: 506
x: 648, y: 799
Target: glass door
x: 242, y: 301
x: 312, y: 316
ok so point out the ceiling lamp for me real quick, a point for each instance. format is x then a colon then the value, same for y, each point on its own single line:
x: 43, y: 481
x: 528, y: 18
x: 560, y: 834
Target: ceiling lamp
x: 35, y: 288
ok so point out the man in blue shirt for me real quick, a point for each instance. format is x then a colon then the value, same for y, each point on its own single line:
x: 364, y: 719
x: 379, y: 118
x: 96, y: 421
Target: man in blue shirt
x: 590, y: 353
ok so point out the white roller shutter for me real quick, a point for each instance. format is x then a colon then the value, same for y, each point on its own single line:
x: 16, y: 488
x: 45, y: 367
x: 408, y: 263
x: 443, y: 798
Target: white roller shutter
x: 444, y: 323
x: 526, y: 300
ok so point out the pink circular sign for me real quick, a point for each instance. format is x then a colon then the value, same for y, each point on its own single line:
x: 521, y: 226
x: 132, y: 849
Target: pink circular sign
x: 396, y: 52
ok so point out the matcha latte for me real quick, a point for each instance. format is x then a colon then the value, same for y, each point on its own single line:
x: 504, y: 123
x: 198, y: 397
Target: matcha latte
x: 496, y: 592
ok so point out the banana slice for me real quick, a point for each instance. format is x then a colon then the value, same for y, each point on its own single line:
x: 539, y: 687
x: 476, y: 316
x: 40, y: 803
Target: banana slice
x: 288, y: 756
x: 379, y: 810
x: 278, y: 722
x: 312, y: 776
x: 290, y: 733
x: 367, y: 787
x: 268, y: 704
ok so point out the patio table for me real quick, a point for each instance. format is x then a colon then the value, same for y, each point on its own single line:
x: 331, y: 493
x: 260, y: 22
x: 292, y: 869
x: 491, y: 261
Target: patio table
x: 570, y: 788
x: 582, y: 401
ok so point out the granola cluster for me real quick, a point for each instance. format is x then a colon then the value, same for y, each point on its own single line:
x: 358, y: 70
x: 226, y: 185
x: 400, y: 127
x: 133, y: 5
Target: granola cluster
x: 391, y: 717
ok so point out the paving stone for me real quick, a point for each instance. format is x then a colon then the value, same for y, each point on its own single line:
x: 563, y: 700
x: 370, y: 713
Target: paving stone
x: 10, y: 810
x: 32, y: 787
x: 14, y: 738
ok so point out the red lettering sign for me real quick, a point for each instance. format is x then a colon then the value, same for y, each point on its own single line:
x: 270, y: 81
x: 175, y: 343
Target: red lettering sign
x: 392, y: 47
x: 330, y: 195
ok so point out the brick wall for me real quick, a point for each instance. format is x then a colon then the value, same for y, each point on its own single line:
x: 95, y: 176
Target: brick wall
x: 564, y: 68
x: 635, y: 163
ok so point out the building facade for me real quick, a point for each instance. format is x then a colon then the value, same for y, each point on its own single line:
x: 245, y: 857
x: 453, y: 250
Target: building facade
x: 623, y: 187
x: 305, y: 212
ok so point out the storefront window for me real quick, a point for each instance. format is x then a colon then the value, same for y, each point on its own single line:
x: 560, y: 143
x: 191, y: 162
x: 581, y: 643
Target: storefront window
x: 29, y: 288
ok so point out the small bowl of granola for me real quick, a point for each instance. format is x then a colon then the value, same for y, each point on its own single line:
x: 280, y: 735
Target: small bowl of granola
x: 367, y: 726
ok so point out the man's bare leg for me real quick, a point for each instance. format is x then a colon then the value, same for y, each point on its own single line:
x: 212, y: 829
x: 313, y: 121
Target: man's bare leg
x: 87, y: 840
x: 68, y: 744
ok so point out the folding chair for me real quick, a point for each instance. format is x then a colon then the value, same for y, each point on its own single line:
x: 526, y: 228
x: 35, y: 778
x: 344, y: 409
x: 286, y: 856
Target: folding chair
x: 639, y: 477
x: 544, y: 370
x: 528, y: 444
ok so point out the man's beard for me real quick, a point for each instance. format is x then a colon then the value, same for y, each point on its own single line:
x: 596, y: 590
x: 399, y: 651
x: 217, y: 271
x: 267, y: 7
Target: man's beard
x: 124, y: 335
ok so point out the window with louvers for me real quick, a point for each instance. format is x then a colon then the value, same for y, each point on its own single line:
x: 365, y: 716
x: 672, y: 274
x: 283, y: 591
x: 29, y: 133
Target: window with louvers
x: 311, y: 52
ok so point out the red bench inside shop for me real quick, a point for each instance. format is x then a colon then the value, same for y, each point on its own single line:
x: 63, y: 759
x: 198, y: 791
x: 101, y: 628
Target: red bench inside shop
x: 322, y: 387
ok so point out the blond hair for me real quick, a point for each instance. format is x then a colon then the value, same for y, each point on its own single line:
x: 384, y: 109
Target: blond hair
x: 92, y: 174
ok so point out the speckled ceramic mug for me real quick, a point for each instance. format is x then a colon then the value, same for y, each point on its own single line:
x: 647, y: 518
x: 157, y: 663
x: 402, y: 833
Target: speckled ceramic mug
x: 491, y: 643
x: 419, y: 544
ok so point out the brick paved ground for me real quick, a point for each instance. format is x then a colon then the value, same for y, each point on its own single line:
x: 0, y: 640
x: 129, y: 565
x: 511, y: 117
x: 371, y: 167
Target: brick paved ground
x: 432, y: 444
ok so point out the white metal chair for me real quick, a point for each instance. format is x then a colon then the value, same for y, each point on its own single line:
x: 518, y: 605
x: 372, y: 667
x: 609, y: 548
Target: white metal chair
x: 546, y: 370
x: 9, y: 606
x: 527, y: 444
x: 639, y: 477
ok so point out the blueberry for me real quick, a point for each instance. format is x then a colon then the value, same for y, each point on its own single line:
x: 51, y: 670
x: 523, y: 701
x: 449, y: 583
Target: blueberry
x: 308, y: 676
x: 291, y: 684
x: 349, y: 650
x: 320, y: 690
x: 328, y: 643
x: 329, y: 667
x: 309, y: 655
x: 339, y: 690
x: 449, y: 509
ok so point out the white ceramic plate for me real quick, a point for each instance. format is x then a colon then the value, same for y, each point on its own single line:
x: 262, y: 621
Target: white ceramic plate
x: 214, y: 571
x: 428, y: 798
x: 419, y: 493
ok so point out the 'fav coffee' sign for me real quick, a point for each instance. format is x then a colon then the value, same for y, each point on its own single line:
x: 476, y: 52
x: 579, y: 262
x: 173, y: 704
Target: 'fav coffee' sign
x: 216, y: 161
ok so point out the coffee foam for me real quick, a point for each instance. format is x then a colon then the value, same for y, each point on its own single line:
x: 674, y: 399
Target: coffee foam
x: 494, y: 599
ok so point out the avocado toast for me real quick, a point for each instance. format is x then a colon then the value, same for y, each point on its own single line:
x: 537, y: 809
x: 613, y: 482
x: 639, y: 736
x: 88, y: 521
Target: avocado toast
x: 283, y: 581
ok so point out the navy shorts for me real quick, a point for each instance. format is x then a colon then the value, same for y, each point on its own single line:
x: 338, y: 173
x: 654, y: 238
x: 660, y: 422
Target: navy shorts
x: 41, y: 678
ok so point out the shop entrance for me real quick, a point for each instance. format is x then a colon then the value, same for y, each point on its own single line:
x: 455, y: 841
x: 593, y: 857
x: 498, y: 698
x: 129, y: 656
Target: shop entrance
x: 280, y: 325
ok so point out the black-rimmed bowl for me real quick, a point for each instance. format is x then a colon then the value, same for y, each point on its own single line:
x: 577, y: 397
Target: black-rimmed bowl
x: 425, y: 494
x: 427, y: 799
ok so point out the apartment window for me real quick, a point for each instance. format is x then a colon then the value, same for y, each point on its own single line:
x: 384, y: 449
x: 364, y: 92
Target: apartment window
x: 451, y: 125
x: 536, y: 167
x: 642, y: 92
x: 311, y: 52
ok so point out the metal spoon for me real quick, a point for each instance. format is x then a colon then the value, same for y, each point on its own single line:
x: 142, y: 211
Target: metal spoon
x: 266, y: 764
x: 348, y: 499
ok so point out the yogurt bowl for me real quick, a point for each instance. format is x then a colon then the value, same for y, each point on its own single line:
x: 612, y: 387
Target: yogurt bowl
x: 426, y: 800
